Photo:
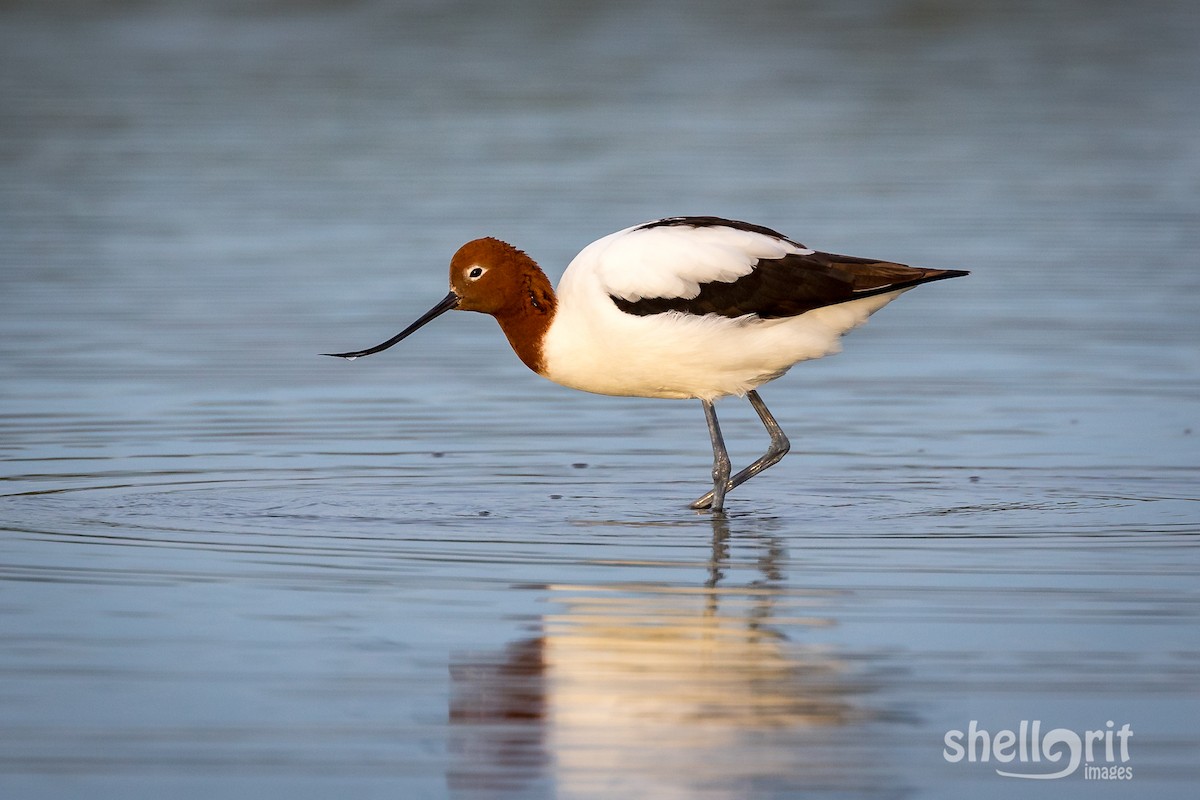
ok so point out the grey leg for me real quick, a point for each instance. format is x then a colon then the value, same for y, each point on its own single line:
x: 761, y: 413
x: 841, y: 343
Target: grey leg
x: 721, y: 466
x: 775, y: 451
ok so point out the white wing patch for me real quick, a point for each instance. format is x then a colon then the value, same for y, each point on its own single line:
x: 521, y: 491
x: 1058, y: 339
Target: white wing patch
x: 674, y: 260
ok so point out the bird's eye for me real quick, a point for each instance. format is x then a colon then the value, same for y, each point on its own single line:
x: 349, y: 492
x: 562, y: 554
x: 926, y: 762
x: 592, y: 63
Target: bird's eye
x: 475, y: 273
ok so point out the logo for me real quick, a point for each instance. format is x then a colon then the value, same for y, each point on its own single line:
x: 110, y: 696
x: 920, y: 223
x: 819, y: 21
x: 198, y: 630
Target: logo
x: 1057, y: 753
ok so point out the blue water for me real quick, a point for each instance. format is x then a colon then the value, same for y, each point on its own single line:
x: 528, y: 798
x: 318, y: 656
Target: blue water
x: 231, y: 568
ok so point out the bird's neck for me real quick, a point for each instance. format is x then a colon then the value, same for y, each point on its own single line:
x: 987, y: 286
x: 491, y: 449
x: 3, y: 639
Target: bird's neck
x: 527, y: 317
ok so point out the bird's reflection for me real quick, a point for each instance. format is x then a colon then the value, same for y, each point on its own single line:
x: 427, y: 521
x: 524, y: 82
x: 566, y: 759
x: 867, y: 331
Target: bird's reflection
x: 651, y: 687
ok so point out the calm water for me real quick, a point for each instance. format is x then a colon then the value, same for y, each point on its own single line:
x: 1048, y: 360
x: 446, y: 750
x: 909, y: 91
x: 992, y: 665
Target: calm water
x: 230, y: 568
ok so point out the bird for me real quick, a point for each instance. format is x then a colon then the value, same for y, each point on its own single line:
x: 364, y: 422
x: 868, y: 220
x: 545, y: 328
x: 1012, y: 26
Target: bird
x: 686, y: 308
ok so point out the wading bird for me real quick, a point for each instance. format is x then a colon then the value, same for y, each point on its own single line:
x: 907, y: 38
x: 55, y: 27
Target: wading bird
x: 681, y: 308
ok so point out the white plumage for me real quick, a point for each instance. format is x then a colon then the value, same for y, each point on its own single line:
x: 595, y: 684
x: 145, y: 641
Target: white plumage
x: 593, y: 346
x: 673, y: 261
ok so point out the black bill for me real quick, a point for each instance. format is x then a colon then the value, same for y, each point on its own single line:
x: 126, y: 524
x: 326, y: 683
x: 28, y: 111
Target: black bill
x: 448, y: 302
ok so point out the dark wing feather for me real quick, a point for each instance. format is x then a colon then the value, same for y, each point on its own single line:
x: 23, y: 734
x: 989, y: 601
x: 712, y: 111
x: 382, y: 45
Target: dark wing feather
x: 792, y: 285
x: 717, y: 222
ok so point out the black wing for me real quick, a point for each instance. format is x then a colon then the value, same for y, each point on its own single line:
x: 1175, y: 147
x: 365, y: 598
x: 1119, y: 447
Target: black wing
x: 788, y: 286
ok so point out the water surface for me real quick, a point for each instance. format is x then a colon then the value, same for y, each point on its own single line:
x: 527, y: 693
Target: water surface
x: 231, y: 568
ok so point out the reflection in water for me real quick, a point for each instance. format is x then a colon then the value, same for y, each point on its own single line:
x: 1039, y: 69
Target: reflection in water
x: 657, y: 689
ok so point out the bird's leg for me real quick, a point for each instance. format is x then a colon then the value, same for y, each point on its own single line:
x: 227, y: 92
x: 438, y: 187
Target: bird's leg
x: 775, y: 451
x: 715, y: 500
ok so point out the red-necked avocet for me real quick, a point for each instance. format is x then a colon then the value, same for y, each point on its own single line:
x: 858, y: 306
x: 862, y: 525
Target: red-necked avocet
x: 681, y: 308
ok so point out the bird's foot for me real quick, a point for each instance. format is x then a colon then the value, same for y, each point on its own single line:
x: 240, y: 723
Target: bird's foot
x: 705, y: 503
